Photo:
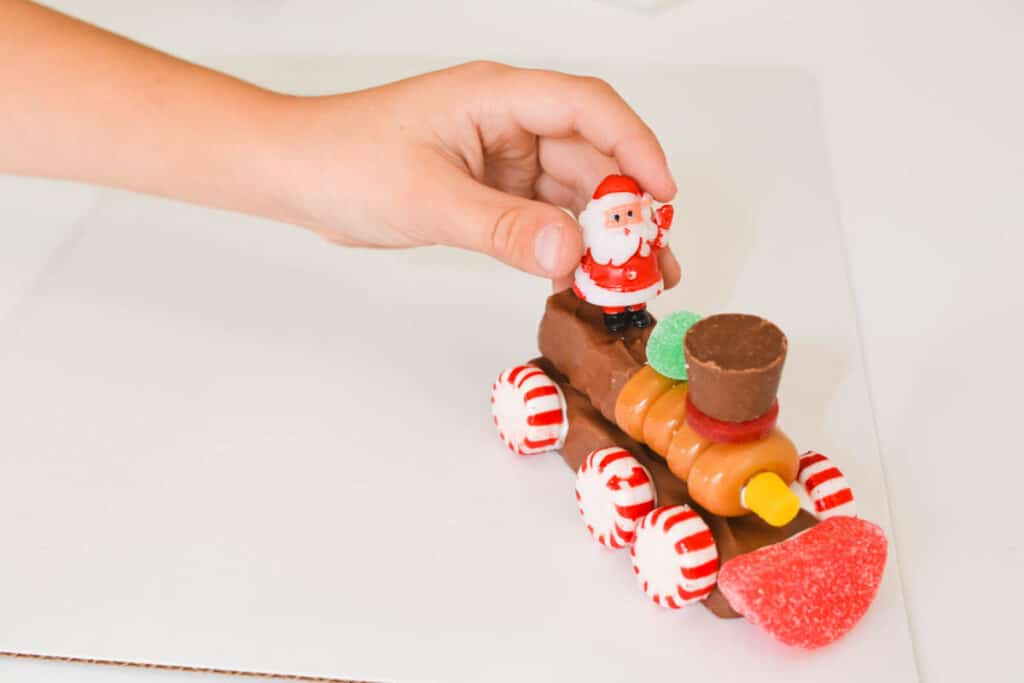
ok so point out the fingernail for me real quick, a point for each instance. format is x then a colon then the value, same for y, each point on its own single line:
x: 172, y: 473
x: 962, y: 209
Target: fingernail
x: 547, y: 246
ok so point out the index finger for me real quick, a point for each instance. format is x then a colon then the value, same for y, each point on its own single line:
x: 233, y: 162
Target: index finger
x: 553, y: 104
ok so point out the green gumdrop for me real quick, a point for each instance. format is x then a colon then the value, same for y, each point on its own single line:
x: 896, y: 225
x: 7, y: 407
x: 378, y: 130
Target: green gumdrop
x: 665, y: 345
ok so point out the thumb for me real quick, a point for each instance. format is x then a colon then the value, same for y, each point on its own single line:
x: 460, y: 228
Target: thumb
x: 529, y: 235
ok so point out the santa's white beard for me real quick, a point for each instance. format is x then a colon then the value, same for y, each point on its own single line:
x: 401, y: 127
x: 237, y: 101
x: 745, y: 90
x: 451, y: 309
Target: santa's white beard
x: 616, y: 246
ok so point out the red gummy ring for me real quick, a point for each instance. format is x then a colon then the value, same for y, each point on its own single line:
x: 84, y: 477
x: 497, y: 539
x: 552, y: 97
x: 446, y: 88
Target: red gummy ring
x: 731, y: 432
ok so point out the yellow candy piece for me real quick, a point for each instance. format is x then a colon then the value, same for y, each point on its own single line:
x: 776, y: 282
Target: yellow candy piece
x: 768, y: 497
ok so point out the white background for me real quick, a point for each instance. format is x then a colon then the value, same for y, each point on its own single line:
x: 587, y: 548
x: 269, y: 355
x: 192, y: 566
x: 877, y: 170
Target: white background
x: 923, y: 103
x: 193, y: 454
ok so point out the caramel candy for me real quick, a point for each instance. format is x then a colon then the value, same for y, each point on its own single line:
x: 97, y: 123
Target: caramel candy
x: 686, y: 446
x: 665, y: 418
x: 719, y: 474
x: 734, y: 362
x: 637, y: 397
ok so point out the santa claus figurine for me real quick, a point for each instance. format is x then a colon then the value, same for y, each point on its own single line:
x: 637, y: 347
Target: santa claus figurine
x: 622, y: 235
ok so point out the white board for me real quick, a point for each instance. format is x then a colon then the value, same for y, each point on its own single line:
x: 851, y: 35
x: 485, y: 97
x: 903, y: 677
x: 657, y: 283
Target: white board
x: 221, y: 448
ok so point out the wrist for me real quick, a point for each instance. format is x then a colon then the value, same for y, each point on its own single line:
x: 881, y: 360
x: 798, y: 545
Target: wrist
x: 296, y: 158
x: 264, y: 164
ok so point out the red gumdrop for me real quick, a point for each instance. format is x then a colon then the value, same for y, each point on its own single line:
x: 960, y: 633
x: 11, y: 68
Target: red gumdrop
x: 811, y: 589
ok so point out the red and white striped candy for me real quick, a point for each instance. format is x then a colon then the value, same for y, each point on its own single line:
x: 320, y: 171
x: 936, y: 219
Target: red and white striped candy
x: 826, y: 486
x: 674, y: 556
x: 528, y: 410
x: 613, y: 491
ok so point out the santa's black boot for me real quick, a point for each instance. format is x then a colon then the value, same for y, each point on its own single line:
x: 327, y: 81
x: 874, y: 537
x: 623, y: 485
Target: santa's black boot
x: 616, y: 322
x: 640, y: 318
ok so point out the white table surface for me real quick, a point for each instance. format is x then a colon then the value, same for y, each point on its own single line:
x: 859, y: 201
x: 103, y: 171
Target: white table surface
x: 231, y: 392
x: 923, y: 104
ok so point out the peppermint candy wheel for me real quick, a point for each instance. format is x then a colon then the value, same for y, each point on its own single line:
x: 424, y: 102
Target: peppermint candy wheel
x: 674, y: 556
x: 826, y: 486
x: 528, y: 410
x: 613, y: 491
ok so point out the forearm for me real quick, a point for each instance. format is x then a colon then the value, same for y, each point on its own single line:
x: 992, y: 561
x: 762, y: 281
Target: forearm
x: 82, y: 104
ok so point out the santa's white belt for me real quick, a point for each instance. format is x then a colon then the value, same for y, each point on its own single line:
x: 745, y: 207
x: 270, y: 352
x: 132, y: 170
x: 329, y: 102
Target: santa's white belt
x: 591, y: 292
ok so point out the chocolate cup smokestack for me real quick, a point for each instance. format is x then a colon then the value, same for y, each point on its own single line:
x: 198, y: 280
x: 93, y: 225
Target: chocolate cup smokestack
x: 734, y: 363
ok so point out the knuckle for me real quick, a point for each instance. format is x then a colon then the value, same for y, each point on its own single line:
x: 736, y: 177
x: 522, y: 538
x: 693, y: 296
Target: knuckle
x: 598, y: 84
x: 503, y: 232
x: 483, y: 68
x: 337, y: 238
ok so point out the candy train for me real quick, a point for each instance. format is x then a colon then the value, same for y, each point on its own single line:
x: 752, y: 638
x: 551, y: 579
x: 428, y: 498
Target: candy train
x: 682, y: 549
x: 659, y: 411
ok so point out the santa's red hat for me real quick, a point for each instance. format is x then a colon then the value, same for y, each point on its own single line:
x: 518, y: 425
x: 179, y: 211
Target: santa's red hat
x: 617, y: 184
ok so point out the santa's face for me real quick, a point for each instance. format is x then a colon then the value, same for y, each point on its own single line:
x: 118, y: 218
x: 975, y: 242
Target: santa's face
x: 614, y: 229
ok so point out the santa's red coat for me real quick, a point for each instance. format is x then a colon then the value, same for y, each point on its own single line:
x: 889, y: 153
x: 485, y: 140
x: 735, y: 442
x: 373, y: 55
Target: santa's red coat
x: 638, y: 272
x: 631, y: 283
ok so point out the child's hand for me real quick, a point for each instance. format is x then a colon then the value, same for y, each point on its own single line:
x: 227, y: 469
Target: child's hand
x: 476, y: 156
